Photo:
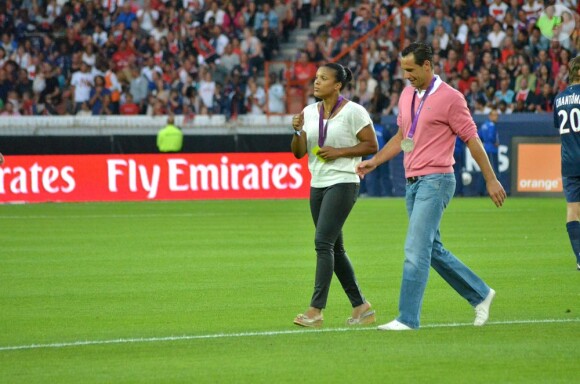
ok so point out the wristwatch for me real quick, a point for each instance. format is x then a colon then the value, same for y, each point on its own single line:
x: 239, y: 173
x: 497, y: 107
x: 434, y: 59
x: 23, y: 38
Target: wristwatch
x: 298, y: 133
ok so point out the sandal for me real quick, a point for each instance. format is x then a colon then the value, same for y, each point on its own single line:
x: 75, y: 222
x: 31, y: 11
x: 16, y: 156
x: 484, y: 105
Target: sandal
x: 367, y: 317
x: 311, y: 322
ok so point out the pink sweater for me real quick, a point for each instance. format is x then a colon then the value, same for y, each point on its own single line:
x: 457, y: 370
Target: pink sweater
x: 444, y: 116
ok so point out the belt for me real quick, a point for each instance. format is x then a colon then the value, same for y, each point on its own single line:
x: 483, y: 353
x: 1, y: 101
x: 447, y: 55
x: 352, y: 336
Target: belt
x: 412, y: 180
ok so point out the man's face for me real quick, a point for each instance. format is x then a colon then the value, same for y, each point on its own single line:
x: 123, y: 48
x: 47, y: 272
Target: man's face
x: 417, y: 74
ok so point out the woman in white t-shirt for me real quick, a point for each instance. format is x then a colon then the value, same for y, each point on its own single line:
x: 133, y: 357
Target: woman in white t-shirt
x: 496, y: 36
x: 335, y: 133
x: 82, y: 82
x: 255, y: 98
x: 206, y: 90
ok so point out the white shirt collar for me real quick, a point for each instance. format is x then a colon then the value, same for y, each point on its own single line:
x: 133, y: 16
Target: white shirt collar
x: 436, y: 85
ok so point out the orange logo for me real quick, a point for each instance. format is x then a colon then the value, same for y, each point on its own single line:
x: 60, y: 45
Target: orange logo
x: 539, y: 168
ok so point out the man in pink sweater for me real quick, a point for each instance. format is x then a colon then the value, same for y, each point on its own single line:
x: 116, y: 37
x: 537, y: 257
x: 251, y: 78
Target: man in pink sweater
x: 431, y: 116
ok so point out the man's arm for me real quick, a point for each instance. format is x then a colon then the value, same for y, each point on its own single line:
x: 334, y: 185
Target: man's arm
x: 389, y: 151
x: 494, y: 188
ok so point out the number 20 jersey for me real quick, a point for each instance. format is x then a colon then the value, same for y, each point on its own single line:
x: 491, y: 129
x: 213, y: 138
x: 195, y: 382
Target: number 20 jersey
x: 567, y: 121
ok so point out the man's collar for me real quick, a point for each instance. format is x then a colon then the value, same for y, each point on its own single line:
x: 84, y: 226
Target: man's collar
x: 436, y: 85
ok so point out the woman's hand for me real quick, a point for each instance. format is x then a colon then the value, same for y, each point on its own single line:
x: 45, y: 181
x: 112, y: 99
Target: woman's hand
x: 298, y: 122
x: 329, y: 153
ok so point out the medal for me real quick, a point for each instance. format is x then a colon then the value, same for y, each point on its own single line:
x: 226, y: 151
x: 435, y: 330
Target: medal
x: 407, y: 145
x: 323, y: 128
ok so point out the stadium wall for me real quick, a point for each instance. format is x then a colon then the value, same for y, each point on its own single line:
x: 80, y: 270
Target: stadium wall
x: 250, y: 134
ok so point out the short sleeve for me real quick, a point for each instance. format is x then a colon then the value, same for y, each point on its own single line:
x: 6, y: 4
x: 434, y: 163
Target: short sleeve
x: 360, y: 118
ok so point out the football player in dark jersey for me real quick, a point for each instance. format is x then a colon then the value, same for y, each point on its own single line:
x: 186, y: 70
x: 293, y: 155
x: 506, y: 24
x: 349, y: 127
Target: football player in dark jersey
x: 567, y: 120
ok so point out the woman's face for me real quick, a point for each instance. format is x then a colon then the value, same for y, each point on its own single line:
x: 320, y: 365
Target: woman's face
x: 325, y: 84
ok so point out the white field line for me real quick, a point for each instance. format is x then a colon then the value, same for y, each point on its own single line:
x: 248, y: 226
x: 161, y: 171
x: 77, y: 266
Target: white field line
x: 155, y: 215
x: 262, y: 334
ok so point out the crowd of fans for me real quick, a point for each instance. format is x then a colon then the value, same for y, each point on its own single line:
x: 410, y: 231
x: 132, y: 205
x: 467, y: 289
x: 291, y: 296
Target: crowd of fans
x: 157, y: 57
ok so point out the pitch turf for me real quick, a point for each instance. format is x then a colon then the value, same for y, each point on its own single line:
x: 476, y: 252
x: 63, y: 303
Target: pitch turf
x: 205, y: 292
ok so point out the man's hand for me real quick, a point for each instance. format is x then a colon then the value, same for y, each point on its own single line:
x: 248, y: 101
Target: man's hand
x: 364, y: 168
x: 496, y: 192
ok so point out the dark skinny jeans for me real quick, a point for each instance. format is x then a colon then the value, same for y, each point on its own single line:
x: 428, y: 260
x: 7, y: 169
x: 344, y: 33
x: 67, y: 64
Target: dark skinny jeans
x: 330, y: 207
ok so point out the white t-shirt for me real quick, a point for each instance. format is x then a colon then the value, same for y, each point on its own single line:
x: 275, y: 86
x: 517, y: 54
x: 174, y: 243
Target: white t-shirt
x: 82, y: 82
x: 462, y: 32
x: 341, y: 133
x: 148, y: 72
x: 276, y: 98
x: 496, y: 38
x: 206, y: 91
x: 258, y: 100
x: 219, y: 16
x: 148, y: 19
x: 533, y: 10
x: 498, y: 11
x: 222, y: 41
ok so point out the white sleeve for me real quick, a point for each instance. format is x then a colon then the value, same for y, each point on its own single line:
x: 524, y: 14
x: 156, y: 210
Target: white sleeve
x: 360, y: 118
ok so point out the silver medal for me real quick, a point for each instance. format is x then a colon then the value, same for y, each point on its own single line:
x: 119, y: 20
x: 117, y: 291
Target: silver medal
x: 407, y: 145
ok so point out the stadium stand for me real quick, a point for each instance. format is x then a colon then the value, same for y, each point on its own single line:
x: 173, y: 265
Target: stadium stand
x: 197, y: 58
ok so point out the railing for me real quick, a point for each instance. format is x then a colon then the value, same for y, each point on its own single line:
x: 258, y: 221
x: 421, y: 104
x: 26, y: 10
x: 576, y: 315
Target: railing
x: 141, y: 125
x: 373, y: 32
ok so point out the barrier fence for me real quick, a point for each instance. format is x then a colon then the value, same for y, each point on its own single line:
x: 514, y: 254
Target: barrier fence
x: 528, y: 156
x: 76, y: 178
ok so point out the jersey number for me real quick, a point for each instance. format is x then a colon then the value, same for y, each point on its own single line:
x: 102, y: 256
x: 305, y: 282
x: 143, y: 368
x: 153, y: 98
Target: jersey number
x: 574, y: 120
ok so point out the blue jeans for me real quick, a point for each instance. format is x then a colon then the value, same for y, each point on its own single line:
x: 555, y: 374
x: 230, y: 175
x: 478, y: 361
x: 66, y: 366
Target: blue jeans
x: 426, y: 200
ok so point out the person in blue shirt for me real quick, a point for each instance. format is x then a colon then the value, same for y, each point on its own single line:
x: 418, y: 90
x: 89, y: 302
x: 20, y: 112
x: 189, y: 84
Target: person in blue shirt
x: 490, y: 139
x: 97, y: 96
x: 126, y: 15
x: 266, y: 13
x: 567, y: 121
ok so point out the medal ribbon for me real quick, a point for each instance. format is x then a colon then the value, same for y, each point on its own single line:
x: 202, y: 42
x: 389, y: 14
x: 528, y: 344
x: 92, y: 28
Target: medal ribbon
x: 415, y: 117
x: 323, y: 128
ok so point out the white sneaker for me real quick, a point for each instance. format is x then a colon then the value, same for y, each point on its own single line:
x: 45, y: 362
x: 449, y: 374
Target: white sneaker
x: 482, y: 309
x: 394, y: 326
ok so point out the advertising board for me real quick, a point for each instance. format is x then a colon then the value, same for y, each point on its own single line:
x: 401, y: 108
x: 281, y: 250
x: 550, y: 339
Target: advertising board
x: 153, y: 177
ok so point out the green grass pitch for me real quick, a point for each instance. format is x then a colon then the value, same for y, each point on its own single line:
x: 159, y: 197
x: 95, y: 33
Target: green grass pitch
x: 205, y: 292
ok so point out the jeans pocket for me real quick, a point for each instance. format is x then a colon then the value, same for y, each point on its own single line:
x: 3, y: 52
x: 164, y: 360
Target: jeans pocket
x: 438, y: 186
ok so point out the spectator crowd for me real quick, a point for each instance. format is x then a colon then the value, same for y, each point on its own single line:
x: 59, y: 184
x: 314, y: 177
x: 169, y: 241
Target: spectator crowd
x: 197, y: 57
